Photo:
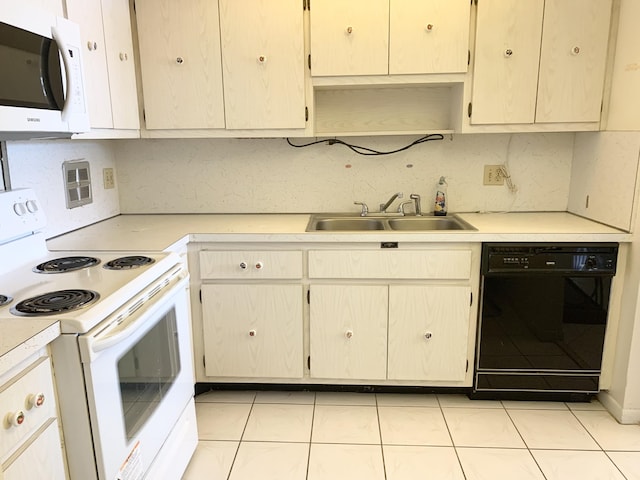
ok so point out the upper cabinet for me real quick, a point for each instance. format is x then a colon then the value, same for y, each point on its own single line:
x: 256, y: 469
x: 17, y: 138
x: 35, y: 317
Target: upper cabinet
x: 105, y: 29
x: 380, y: 37
x: 180, y: 62
x: 539, y: 61
x: 263, y: 63
x: 234, y: 64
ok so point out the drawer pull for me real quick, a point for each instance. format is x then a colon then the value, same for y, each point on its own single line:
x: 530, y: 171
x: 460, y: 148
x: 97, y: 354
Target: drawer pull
x: 428, y: 335
x: 259, y: 265
x: 252, y: 333
x: 243, y: 265
x: 36, y: 400
x: 348, y: 334
x: 15, y: 419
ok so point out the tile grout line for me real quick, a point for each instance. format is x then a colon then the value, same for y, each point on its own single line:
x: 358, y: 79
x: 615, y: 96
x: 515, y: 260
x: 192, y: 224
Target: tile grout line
x: 313, y: 416
x: 535, y: 460
x: 453, y: 444
x: 241, y: 435
x: 384, y: 464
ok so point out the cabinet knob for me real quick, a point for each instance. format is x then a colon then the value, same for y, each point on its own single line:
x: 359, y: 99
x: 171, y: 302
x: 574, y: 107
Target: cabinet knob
x: 15, y: 419
x: 575, y: 50
x: 92, y: 46
x: 349, y: 30
x: 259, y: 265
x: 262, y: 59
x: 430, y: 27
x: 36, y: 399
x: 252, y: 333
x: 179, y: 60
x: 508, y: 52
x: 428, y: 335
x: 348, y: 333
x: 243, y: 265
x: 124, y: 56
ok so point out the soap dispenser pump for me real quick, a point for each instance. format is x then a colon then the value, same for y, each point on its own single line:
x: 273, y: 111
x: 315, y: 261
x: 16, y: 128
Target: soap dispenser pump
x: 440, y: 207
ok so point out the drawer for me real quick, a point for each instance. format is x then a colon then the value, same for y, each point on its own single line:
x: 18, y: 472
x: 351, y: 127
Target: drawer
x: 17, y: 395
x: 391, y: 264
x: 251, y: 264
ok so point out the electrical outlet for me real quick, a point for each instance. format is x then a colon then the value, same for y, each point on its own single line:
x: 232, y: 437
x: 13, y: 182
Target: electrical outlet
x: 108, y: 179
x: 493, y: 175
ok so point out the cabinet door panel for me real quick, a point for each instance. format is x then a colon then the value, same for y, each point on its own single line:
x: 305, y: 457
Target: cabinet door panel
x: 430, y: 36
x: 348, y: 331
x: 363, y: 51
x: 120, y: 62
x: 572, y: 60
x: 180, y: 62
x: 263, y: 63
x: 253, y: 330
x: 41, y: 459
x: 428, y: 329
x: 88, y: 14
x: 508, y: 37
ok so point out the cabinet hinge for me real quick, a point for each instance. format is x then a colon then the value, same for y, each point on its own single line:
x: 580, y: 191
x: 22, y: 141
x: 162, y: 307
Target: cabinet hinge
x: 471, y: 299
x: 469, y: 109
x: 309, y: 362
x: 200, y: 295
x: 204, y: 361
x: 144, y: 115
x: 306, y: 114
x: 309, y: 296
x: 466, y: 368
x: 468, y: 57
x: 309, y: 61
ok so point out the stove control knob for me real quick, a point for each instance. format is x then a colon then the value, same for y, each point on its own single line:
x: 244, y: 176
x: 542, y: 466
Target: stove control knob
x: 591, y: 263
x: 32, y: 206
x: 36, y: 400
x: 243, y: 265
x: 20, y: 209
x: 15, y: 419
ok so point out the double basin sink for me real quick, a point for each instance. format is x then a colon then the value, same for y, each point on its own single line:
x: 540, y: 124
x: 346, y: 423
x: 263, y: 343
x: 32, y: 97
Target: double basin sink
x: 354, y: 223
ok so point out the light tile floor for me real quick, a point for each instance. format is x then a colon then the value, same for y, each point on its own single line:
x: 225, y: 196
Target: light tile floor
x: 333, y: 436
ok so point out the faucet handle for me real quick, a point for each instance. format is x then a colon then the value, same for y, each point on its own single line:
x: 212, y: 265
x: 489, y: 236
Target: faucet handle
x: 401, y: 206
x: 365, y: 209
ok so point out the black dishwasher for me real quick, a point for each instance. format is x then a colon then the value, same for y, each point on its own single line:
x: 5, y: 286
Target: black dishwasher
x: 543, y: 318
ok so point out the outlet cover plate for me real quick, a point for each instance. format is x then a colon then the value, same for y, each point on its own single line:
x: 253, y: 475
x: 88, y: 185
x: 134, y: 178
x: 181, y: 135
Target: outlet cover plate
x: 493, y: 175
x: 108, y: 179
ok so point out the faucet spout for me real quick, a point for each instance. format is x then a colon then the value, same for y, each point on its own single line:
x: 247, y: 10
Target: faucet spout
x: 384, y: 206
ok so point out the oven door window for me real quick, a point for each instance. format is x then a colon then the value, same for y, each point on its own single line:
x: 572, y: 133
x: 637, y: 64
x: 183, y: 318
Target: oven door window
x: 147, y: 371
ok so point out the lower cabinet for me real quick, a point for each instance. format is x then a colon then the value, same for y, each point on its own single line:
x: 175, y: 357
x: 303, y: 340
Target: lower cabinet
x: 395, y: 332
x: 253, y: 330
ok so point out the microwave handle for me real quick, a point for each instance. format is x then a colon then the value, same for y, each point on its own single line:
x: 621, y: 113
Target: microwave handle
x: 67, y: 110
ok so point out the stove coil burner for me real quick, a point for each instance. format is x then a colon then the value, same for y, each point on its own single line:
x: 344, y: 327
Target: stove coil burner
x: 4, y: 300
x: 127, y: 263
x: 52, y: 303
x: 66, y: 264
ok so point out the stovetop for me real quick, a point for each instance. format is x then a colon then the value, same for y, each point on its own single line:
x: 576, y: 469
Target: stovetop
x: 29, y: 271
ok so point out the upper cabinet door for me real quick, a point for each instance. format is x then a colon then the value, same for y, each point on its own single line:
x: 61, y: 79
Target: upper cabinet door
x: 349, y: 37
x: 121, y: 64
x: 88, y: 14
x: 572, y: 60
x: 505, y: 78
x: 180, y: 62
x: 430, y: 36
x: 263, y: 63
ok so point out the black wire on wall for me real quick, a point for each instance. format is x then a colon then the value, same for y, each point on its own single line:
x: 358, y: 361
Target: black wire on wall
x: 369, y: 151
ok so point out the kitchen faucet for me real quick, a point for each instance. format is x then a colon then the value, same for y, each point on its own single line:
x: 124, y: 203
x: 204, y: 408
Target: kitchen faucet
x: 384, y: 206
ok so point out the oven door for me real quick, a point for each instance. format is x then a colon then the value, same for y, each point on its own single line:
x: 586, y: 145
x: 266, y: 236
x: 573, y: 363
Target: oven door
x: 139, y: 379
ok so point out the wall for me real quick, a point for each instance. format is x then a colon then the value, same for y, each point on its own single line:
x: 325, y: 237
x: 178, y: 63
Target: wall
x: 267, y: 175
x: 38, y: 165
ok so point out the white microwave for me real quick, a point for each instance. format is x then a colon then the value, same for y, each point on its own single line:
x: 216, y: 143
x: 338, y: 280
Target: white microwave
x: 42, y: 88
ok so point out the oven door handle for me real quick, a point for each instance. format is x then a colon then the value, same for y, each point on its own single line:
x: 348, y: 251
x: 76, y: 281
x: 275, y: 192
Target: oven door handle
x: 138, y: 309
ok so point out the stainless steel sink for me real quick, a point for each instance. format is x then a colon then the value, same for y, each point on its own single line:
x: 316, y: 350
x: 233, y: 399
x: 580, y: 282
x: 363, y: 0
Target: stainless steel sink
x: 428, y: 223
x: 348, y: 224
x: 353, y: 223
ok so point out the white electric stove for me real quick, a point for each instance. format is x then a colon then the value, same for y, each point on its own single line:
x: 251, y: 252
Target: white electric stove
x: 123, y: 364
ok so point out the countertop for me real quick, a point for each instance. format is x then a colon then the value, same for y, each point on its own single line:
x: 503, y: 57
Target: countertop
x: 160, y: 232
x: 172, y: 232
